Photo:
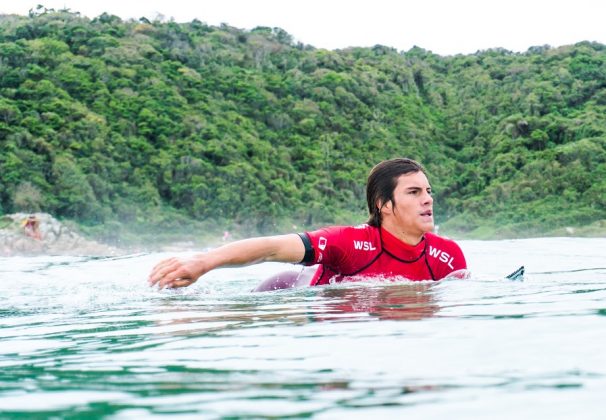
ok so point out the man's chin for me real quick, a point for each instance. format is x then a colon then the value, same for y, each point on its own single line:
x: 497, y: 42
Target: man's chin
x: 429, y: 227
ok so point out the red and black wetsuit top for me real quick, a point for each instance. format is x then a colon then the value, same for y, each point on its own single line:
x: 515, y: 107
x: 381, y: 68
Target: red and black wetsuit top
x: 347, y: 251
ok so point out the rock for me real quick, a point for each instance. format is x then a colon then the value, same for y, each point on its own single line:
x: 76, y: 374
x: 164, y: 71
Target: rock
x: 55, y: 238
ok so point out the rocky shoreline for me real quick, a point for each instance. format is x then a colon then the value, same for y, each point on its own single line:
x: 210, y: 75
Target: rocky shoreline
x: 48, y: 237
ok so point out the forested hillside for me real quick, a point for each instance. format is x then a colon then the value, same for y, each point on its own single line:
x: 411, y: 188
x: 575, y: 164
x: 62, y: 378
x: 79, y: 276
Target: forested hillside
x: 107, y: 121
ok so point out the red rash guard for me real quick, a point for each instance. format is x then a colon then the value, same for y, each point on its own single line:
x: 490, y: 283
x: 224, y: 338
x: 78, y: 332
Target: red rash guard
x: 345, y: 251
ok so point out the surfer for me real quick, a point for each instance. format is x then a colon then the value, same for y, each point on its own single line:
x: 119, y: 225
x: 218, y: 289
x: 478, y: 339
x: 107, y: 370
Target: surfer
x: 396, y: 241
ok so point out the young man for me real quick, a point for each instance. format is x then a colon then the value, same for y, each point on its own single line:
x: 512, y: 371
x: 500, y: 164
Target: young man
x: 395, y: 242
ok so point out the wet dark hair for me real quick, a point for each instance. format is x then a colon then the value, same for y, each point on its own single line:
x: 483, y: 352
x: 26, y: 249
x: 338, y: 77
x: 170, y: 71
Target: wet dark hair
x: 382, y: 181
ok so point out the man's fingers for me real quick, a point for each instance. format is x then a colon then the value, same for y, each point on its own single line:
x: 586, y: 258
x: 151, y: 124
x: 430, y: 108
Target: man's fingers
x: 179, y: 283
x: 166, y: 281
x: 173, y: 272
x: 171, y: 282
x: 163, y: 270
x: 159, y: 267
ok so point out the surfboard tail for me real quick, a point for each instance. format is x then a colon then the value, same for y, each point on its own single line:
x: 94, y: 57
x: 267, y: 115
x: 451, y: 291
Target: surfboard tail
x: 517, y: 275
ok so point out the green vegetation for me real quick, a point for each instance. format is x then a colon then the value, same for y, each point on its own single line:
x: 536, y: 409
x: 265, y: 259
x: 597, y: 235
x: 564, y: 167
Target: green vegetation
x: 114, y: 123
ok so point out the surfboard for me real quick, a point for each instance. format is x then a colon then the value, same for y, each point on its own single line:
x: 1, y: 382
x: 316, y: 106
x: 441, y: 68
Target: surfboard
x: 517, y: 275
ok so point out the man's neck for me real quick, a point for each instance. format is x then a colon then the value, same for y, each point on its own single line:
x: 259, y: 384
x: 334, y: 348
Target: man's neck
x: 407, y: 238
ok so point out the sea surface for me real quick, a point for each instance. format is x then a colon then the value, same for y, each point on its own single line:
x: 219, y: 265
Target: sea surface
x: 84, y: 337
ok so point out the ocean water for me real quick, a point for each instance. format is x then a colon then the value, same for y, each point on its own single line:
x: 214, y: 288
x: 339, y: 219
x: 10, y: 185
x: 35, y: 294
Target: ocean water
x: 85, y: 337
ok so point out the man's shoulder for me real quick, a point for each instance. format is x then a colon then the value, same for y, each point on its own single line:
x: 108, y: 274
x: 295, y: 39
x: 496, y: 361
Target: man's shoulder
x: 361, y: 231
x: 447, y: 255
x: 350, y: 230
x: 434, y: 239
x: 346, y: 236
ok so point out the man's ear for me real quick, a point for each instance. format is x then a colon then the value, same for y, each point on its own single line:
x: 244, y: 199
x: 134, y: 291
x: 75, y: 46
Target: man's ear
x: 385, y: 208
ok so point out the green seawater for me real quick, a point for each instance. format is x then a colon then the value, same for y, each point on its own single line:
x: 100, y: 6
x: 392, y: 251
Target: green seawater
x: 85, y: 337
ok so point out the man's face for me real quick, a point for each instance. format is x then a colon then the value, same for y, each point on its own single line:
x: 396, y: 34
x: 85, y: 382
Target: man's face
x: 413, y: 211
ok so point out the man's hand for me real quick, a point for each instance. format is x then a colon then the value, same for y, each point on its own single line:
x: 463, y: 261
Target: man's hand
x: 175, y: 272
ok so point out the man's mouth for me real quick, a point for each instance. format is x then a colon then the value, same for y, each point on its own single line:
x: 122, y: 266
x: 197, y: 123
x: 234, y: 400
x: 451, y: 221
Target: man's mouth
x: 427, y: 213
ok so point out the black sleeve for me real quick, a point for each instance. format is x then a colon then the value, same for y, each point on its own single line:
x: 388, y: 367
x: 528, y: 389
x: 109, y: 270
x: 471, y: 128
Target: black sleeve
x: 309, y: 251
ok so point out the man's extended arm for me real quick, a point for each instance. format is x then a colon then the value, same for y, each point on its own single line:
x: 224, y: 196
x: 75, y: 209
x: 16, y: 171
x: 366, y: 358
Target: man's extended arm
x: 175, y: 272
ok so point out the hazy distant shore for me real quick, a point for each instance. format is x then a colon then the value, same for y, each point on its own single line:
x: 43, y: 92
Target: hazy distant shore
x: 69, y: 238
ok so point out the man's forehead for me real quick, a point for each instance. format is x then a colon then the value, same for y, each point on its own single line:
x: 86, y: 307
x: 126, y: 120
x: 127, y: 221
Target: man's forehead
x: 412, y: 180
